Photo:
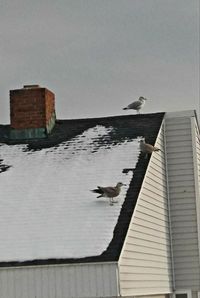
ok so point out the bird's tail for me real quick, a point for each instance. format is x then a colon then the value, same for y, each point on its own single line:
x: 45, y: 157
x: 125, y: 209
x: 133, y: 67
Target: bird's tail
x: 156, y: 149
x: 97, y: 190
x: 100, y: 196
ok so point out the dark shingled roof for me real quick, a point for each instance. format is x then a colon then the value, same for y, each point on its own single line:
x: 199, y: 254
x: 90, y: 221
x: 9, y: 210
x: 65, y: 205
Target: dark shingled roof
x: 125, y: 127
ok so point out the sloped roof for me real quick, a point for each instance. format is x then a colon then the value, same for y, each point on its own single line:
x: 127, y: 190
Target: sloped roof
x: 47, y: 212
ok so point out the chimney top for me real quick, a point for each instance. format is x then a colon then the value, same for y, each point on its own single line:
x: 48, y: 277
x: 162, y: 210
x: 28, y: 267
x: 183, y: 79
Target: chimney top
x: 31, y: 86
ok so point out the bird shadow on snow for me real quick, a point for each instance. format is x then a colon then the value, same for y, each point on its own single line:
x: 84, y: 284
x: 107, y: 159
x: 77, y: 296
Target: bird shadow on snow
x: 105, y: 203
x: 101, y: 202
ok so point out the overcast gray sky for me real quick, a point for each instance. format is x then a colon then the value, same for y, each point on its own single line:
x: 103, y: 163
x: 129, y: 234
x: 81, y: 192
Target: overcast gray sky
x: 97, y: 56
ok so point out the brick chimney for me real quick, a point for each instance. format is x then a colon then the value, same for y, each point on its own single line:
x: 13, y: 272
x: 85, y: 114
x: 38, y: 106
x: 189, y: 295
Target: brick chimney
x: 32, y: 112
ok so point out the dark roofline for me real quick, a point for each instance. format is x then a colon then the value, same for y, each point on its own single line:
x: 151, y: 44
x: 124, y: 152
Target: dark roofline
x: 111, y: 117
x: 149, y: 125
x: 64, y: 130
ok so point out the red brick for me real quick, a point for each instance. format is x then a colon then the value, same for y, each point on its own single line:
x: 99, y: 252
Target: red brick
x: 31, y: 107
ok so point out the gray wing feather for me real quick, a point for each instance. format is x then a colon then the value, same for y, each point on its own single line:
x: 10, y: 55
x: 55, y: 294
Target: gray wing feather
x: 134, y: 105
x: 110, y: 191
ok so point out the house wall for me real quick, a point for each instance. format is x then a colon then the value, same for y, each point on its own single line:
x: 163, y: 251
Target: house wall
x: 196, y: 160
x: 145, y: 262
x: 60, y: 281
x: 181, y: 144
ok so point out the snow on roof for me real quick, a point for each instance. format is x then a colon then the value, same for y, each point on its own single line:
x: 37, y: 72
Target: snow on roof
x: 46, y: 207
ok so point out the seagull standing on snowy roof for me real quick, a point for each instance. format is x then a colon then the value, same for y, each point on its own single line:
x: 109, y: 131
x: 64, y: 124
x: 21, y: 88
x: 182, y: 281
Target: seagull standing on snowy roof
x: 109, y: 191
x: 147, y: 148
x: 136, y: 105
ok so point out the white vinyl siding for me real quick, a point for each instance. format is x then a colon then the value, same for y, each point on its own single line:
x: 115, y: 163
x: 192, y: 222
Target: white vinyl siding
x: 196, y: 152
x: 145, y: 262
x: 155, y: 296
x: 180, y: 163
x: 61, y: 281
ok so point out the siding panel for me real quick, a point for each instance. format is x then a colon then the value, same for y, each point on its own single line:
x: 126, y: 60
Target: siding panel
x: 151, y: 224
x: 182, y: 201
x: 145, y: 263
x: 151, y: 196
x: 148, y: 233
x: 86, y: 280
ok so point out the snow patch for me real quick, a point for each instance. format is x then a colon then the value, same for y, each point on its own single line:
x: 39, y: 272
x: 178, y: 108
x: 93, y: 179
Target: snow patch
x: 46, y: 207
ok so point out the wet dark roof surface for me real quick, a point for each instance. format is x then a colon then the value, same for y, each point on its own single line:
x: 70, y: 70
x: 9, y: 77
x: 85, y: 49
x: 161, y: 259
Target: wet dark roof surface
x: 125, y: 127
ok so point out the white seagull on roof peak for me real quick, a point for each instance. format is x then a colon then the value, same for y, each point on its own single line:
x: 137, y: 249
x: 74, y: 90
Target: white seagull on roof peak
x: 109, y: 191
x: 136, y: 105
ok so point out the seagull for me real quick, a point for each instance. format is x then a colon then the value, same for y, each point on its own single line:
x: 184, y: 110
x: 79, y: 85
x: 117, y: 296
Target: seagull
x: 147, y: 148
x: 109, y: 191
x: 136, y: 105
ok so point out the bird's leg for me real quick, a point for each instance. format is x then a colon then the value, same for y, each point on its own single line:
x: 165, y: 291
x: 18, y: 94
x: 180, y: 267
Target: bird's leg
x: 111, y: 201
x: 114, y: 201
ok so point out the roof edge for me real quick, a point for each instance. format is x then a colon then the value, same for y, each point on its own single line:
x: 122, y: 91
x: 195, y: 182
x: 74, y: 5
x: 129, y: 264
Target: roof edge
x: 184, y: 113
x: 112, y: 117
x: 56, y: 262
x: 31, y: 264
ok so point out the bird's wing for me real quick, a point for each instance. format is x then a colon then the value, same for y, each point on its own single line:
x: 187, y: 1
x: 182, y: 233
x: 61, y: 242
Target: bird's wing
x: 156, y: 149
x: 110, y: 191
x: 149, y: 148
x: 134, y: 105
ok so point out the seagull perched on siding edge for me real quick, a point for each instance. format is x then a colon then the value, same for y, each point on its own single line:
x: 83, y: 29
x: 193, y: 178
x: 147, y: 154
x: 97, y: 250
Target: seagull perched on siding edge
x: 109, y: 191
x: 147, y: 148
x: 136, y: 105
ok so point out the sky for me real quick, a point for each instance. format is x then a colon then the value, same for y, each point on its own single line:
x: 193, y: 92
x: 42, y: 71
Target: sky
x: 98, y: 56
